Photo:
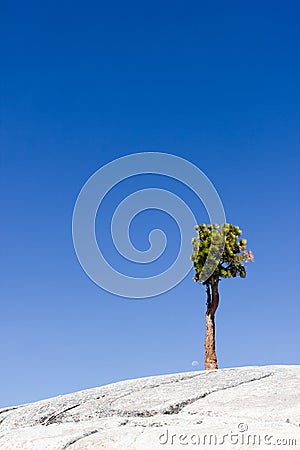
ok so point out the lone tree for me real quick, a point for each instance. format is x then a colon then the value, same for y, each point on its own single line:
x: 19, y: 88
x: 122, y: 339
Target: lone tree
x: 222, y: 253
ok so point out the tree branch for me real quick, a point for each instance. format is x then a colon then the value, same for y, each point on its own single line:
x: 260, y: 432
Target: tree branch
x: 208, y: 297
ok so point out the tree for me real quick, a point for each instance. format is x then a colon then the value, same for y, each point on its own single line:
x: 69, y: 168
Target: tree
x: 219, y: 253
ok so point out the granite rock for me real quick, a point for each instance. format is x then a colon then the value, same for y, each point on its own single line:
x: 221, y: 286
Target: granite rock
x: 236, y: 408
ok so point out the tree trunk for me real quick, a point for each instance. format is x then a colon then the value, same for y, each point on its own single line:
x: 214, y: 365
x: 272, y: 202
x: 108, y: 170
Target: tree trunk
x: 210, y: 357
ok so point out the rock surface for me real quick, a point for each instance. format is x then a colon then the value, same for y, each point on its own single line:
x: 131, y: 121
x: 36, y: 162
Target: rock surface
x: 239, y: 408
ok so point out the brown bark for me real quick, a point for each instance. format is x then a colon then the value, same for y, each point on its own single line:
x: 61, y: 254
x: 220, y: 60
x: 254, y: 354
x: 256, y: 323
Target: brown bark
x: 210, y: 357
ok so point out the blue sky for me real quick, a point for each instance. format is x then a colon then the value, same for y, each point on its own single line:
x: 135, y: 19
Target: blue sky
x: 83, y: 83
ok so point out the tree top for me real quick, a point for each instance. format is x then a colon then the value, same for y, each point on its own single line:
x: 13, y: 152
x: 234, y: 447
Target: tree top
x: 207, y: 248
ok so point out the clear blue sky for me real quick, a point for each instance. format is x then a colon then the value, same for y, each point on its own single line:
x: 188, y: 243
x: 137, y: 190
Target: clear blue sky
x: 83, y: 83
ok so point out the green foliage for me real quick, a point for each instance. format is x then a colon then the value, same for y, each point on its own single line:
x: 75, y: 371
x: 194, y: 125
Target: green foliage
x: 206, y: 248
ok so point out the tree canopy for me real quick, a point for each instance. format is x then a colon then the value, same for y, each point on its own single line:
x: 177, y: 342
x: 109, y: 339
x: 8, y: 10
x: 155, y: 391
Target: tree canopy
x: 206, y: 249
